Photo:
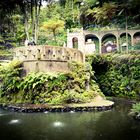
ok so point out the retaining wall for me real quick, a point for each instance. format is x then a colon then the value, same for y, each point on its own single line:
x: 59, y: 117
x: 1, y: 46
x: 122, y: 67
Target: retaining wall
x: 47, y: 58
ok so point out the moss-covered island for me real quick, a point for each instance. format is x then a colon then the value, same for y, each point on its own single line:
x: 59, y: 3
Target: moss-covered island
x: 74, y: 89
x: 82, y: 88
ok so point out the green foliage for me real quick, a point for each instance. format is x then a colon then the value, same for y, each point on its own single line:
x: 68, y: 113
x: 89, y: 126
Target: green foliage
x: 136, y: 47
x: 4, y: 52
x: 46, y: 38
x: 117, y: 74
x: 54, y: 25
x: 48, y: 88
x: 104, y: 13
x: 10, y: 78
x: 74, y: 97
x: 18, y: 17
x: 135, y: 109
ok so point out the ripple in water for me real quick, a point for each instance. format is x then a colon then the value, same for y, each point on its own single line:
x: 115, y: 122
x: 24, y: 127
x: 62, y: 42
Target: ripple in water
x: 14, y: 122
x: 2, y: 114
x: 58, y: 124
x: 72, y: 111
x: 46, y: 112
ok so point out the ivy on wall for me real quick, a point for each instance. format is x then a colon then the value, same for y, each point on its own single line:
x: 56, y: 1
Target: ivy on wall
x: 117, y: 74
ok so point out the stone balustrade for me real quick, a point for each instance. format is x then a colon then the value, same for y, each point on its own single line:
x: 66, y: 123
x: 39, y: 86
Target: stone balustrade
x: 47, y: 58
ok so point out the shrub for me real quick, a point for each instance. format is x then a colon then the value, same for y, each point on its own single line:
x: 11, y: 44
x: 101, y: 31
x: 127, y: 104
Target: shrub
x: 10, y: 78
x: 48, y: 88
x: 117, y: 74
x: 135, y: 111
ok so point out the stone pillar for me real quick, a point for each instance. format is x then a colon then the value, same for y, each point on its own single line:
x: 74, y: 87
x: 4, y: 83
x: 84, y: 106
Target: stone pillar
x: 120, y: 42
x: 69, y: 39
x: 100, y: 45
x: 81, y: 42
x: 117, y: 39
x: 132, y: 40
x: 69, y: 42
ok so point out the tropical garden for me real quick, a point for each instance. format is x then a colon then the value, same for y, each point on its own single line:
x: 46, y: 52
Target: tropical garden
x: 47, y: 22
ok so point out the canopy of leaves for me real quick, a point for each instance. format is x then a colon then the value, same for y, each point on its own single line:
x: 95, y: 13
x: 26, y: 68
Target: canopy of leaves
x: 74, y: 14
x: 53, y: 25
x: 106, y: 12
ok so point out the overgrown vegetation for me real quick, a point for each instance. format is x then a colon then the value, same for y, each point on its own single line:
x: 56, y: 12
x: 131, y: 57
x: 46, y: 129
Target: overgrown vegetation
x: 5, y: 46
x: 117, y: 74
x: 40, y: 88
x: 135, y: 111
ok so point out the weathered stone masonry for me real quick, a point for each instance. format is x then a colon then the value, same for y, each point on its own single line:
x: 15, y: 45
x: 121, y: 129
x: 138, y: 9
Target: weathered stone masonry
x: 47, y: 58
x: 82, y: 37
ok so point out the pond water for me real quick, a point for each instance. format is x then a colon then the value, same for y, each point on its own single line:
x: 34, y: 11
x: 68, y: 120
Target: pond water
x: 109, y: 125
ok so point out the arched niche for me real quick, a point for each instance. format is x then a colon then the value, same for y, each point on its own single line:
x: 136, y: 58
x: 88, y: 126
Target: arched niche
x: 91, y: 43
x: 109, y: 43
x: 75, y: 42
x: 125, y: 40
x: 136, y: 38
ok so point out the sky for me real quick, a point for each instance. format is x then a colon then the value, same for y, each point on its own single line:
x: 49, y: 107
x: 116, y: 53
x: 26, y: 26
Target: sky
x: 44, y: 3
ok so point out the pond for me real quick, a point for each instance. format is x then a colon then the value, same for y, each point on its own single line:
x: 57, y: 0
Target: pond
x: 115, y: 124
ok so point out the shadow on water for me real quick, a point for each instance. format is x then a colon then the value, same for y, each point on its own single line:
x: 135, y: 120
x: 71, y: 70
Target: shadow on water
x: 110, y: 125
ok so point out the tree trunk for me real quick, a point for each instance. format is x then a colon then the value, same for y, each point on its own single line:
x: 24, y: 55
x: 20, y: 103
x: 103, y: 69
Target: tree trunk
x: 32, y: 17
x: 54, y: 34
x: 26, y: 26
x: 36, y: 21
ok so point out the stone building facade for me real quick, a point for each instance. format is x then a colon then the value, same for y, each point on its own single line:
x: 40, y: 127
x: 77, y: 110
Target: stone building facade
x: 83, y: 36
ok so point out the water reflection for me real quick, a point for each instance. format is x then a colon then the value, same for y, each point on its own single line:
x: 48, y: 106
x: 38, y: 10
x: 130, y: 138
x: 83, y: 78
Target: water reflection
x: 46, y: 112
x: 72, y: 111
x: 110, y: 125
x: 58, y: 124
x: 14, y: 121
x: 1, y: 114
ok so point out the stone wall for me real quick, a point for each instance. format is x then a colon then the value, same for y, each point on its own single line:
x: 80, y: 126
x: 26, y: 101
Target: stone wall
x: 47, y: 58
x: 100, y: 35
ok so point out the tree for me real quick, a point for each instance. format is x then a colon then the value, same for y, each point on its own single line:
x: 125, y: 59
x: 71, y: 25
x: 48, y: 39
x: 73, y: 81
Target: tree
x: 104, y: 13
x: 7, y: 9
x: 18, y: 28
x: 31, y: 11
x: 53, y: 25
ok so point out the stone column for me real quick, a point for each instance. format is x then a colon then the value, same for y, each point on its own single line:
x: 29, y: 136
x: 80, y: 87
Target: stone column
x: 120, y: 42
x: 81, y: 42
x: 69, y: 42
x: 132, y: 39
x: 69, y: 39
x: 117, y: 39
x: 100, y: 45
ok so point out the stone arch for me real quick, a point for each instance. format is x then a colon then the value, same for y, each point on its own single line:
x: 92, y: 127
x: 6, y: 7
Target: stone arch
x: 91, y: 43
x: 123, y: 41
x: 109, y: 43
x: 90, y: 36
x: 75, y: 42
x: 124, y: 34
x: 136, y: 37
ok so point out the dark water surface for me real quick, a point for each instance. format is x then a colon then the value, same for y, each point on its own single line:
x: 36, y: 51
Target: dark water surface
x: 110, y: 125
